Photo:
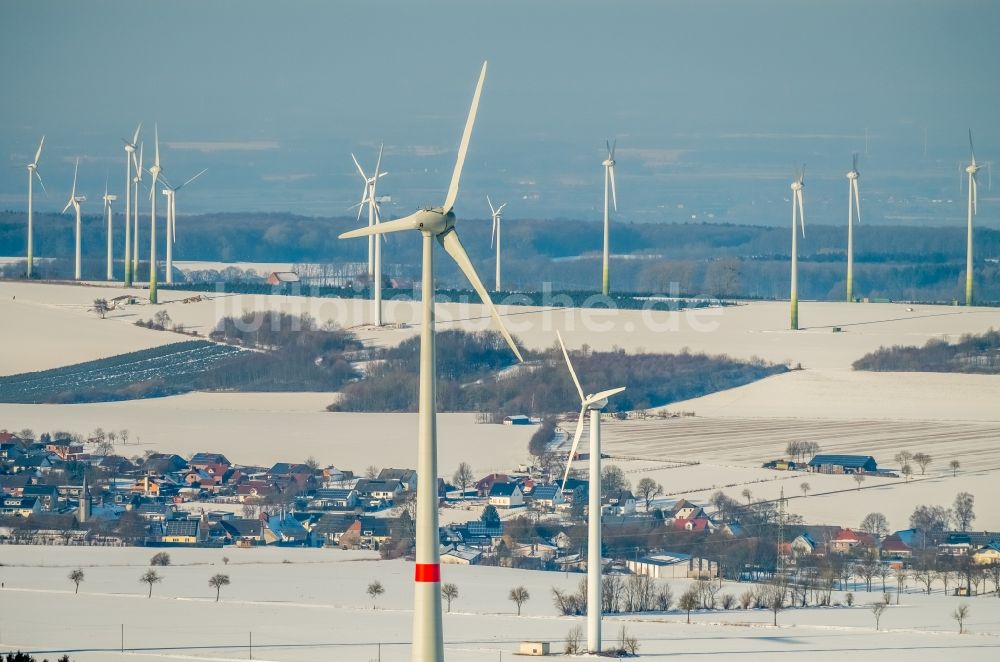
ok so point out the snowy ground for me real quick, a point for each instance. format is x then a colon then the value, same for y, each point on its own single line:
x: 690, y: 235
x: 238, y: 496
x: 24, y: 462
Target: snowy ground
x: 316, y: 607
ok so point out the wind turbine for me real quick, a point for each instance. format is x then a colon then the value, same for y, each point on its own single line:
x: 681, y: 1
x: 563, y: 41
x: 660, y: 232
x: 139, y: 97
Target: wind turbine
x: 155, y: 172
x: 374, y: 218
x: 798, y: 215
x: 129, y: 158
x: 74, y: 201
x: 971, y: 169
x: 853, y: 202
x: 136, y: 179
x: 108, y: 199
x: 609, y: 180
x: 495, y: 235
x: 434, y: 223
x: 171, y: 194
x: 594, y: 404
x: 32, y: 173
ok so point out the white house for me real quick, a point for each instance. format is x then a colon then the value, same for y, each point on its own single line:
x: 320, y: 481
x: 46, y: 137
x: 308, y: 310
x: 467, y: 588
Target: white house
x: 506, y: 495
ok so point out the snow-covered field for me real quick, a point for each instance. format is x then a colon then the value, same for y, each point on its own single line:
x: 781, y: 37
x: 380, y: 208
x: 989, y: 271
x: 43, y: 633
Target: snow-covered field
x: 315, y: 606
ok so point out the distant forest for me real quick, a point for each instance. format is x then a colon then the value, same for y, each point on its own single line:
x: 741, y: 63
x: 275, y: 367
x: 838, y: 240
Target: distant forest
x: 892, y: 262
x: 478, y: 373
x: 973, y: 354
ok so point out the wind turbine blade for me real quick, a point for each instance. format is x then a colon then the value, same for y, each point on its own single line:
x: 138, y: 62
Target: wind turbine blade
x: 42, y: 184
x: 378, y: 164
x: 975, y: 193
x: 138, y: 163
x: 490, y: 203
x: 360, y: 170
x: 192, y: 179
x: 76, y: 169
x: 493, y: 232
x: 106, y: 179
x: 614, y: 144
x: 135, y: 136
x: 802, y: 213
x: 576, y: 443
x: 500, y: 208
x: 38, y: 153
x: 857, y: 198
x: 400, y: 224
x: 156, y: 132
x: 854, y: 167
x: 449, y: 201
x: 614, y: 194
x: 173, y: 216
x: 453, y: 246
x: 597, y: 397
x: 971, y: 148
x: 569, y: 364
x: 67, y: 205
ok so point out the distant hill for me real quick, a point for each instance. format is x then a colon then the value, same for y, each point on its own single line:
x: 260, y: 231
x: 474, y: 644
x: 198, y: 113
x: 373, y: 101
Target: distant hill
x: 899, y: 263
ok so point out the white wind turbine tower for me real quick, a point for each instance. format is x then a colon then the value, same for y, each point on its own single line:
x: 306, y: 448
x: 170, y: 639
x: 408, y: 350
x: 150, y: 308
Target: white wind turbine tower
x: 971, y: 170
x: 798, y: 217
x: 129, y: 159
x: 171, y: 194
x: 155, y: 172
x: 368, y: 196
x: 434, y: 223
x: 136, y: 180
x: 594, y: 404
x: 74, y: 201
x: 853, y: 202
x: 609, y: 180
x: 495, y: 235
x: 32, y: 173
x: 108, y: 199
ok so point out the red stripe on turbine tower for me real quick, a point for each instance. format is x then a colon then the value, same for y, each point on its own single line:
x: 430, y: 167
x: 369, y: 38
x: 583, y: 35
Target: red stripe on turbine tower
x: 427, y: 572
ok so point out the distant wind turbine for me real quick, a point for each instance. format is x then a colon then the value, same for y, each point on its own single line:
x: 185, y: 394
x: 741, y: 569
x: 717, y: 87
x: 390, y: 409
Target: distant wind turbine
x: 434, y: 223
x: 74, y: 202
x: 32, y: 173
x: 495, y: 235
x: 108, y: 199
x: 971, y: 169
x: 155, y: 172
x: 609, y: 180
x: 171, y: 194
x: 594, y: 404
x: 798, y: 219
x: 136, y: 180
x: 129, y: 160
x: 368, y: 196
x: 853, y: 202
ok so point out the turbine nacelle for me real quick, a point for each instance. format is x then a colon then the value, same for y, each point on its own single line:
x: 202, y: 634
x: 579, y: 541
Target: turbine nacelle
x: 797, y: 186
x: 973, y: 168
x: 608, y: 163
x: 854, y: 174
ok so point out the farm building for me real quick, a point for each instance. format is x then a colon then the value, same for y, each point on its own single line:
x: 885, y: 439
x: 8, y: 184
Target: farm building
x: 282, y: 278
x: 843, y: 464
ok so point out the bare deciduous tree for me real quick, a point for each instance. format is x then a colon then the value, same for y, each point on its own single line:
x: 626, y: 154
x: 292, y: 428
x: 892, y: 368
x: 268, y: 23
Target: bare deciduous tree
x: 805, y: 489
x: 964, y: 510
x: 518, y: 595
x: 955, y: 465
x: 875, y: 524
x: 647, y: 490
x: 960, y: 615
x: 375, y: 589
x: 150, y: 577
x: 877, y: 609
x: 463, y: 477
x: 101, y: 307
x: 217, y: 582
x: 859, y: 478
x: 76, y: 577
x: 923, y: 461
x: 449, y: 592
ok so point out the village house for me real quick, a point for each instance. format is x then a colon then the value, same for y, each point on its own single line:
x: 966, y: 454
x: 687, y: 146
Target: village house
x: 621, y: 502
x: 47, y: 495
x: 893, y: 547
x: 335, y: 499
x: 485, y: 484
x: 406, y: 477
x: 182, y: 531
x: 988, y: 555
x: 15, y: 506
x: 462, y: 555
x: 375, y: 492
x: 214, y: 464
x: 506, y: 495
x: 547, y: 497
x: 848, y: 540
x: 684, y: 509
x: 336, y: 530
x: 299, y: 474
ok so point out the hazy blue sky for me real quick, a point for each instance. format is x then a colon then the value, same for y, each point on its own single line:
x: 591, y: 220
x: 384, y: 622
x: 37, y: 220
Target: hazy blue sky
x: 712, y: 102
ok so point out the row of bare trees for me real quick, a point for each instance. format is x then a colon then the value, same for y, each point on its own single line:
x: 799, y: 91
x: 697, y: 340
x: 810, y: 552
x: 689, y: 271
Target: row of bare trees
x: 150, y: 578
